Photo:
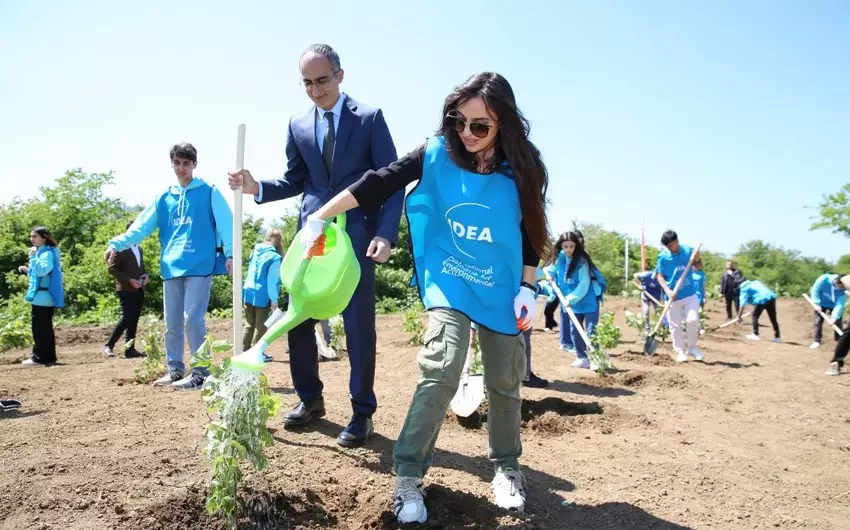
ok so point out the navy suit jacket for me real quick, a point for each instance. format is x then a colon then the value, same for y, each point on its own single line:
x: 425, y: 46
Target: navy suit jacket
x: 363, y: 142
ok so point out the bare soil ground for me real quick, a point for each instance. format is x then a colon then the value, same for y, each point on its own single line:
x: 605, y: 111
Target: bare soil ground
x: 755, y: 437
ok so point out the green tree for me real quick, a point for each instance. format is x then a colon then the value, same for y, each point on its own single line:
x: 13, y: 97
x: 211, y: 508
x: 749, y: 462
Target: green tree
x: 834, y: 213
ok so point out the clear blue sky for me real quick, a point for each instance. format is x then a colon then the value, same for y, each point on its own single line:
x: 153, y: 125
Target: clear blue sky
x: 723, y: 120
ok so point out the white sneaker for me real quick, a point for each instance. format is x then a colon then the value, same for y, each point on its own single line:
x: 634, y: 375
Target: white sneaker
x: 509, y: 489
x: 409, y: 500
x: 681, y: 357
x: 695, y: 353
x: 833, y: 369
x: 171, y: 377
x: 752, y: 336
x: 581, y: 363
x: 815, y: 345
x: 777, y: 340
x: 109, y: 352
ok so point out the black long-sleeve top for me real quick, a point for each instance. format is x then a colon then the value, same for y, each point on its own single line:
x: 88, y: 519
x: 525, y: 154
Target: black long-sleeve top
x: 375, y: 187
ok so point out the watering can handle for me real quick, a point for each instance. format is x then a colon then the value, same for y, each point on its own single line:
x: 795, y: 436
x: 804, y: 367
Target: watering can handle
x: 302, y: 267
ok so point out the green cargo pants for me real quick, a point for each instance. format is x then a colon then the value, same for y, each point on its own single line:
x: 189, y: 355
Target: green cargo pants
x: 255, y: 327
x: 441, y: 362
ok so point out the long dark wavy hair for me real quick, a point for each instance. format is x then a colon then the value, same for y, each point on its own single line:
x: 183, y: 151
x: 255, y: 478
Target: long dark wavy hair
x: 512, y: 146
x: 45, y: 234
x: 579, y: 254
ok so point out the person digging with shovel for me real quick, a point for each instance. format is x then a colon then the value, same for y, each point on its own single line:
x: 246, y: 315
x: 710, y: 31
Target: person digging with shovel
x: 672, y: 264
x: 478, y: 226
x: 763, y: 299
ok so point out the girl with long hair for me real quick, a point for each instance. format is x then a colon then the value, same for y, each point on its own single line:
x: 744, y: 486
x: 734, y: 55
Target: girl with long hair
x: 575, y: 273
x: 478, y: 229
x: 45, y: 293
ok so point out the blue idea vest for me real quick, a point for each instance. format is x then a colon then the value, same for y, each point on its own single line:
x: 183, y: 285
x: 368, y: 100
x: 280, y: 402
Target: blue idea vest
x: 467, y: 244
x: 187, y: 234
x: 55, y: 282
x: 255, y: 292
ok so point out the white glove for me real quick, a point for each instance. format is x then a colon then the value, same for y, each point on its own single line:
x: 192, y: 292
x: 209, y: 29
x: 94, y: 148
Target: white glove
x: 525, y: 300
x: 310, y: 232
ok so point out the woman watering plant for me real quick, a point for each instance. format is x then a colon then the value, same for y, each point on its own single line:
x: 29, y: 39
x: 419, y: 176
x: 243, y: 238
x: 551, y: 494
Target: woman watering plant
x: 45, y: 293
x: 574, y: 270
x: 478, y: 226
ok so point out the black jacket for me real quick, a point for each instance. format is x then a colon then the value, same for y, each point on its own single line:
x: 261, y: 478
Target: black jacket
x: 731, y: 285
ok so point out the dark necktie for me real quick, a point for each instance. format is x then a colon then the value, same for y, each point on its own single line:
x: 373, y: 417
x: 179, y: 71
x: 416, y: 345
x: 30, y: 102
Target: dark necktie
x: 328, y: 143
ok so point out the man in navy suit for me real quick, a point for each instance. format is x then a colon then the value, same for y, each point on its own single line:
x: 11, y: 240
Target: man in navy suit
x: 328, y: 148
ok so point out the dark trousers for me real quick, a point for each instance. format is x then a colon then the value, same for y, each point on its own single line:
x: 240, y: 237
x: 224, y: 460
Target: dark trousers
x: 44, y: 341
x: 841, y: 349
x: 549, y: 313
x: 731, y: 299
x: 360, y: 339
x: 819, y: 325
x: 131, y: 310
x: 770, y: 307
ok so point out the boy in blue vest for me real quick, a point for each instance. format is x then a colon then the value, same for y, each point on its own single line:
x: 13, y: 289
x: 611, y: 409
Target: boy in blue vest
x: 826, y: 293
x: 196, y: 234
x: 649, y: 286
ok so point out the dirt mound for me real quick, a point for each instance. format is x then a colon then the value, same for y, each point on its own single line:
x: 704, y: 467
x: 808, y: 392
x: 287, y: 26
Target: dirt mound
x: 257, y: 509
x: 638, y: 379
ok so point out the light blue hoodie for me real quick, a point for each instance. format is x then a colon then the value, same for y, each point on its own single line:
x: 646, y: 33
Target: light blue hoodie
x: 262, y: 283
x: 576, y: 287
x: 824, y: 292
x: 756, y: 293
x: 157, y: 216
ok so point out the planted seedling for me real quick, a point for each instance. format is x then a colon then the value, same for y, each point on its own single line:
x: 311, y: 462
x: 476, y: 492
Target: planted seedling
x: 413, y: 324
x: 241, y: 404
x: 153, y: 365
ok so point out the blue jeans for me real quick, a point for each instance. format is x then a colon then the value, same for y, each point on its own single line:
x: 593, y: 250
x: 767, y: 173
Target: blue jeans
x: 589, y: 321
x: 564, y: 325
x: 185, y: 301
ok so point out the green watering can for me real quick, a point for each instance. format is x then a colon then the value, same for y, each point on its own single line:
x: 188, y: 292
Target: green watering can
x: 319, y: 286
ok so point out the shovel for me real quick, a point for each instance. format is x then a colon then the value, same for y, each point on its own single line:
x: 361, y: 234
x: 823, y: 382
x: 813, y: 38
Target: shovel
x: 651, y: 344
x: 745, y: 315
x: 470, y: 392
x: 581, y: 331
x: 824, y: 315
x: 651, y: 298
x: 9, y: 404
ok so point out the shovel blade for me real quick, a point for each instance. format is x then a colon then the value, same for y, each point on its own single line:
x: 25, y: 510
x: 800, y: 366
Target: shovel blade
x: 9, y: 404
x: 469, y: 396
x: 651, y: 345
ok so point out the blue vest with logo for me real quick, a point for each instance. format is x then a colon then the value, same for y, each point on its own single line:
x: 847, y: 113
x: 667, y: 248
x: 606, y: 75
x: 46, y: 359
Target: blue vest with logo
x: 568, y: 283
x: 187, y: 234
x: 467, y: 244
x: 52, y: 283
x: 255, y: 291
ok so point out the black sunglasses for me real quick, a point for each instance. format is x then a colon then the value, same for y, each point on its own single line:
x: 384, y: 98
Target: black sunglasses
x: 477, y: 128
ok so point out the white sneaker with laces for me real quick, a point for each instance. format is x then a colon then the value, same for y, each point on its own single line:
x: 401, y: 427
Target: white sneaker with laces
x: 109, y: 352
x: 752, y: 336
x: 833, y: 369
x: 171, y: 377
x: 409, y: 500
x: 695, y: 353
x: 581, y: 363
x: 681, y: 357
x: 815, y: 345
x: 509, y: 490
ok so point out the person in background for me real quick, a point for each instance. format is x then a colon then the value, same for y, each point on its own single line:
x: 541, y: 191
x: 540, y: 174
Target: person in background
x: 669, y: 268
x: 574, y: 270
x: 128, y: 268
x: 261, y: 289
x: 551, y: 273
x: 756, y: 293
x: 45, y: 292
x: 729, y: 286
x: 698, y: 277
x: 196, y: 236
x: 825, y: 293
x: 649, y: 286
x: 843, y: 345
